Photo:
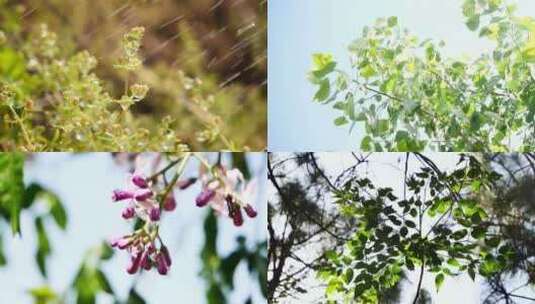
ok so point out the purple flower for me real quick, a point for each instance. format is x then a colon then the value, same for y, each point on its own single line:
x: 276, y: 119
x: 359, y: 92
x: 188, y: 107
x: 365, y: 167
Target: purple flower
x: 204, y: 197
x: 128, y: 213
x: 139, y: 181
x: 234, y: 211
x: 143, y: 195
x: 135, y: 261
x: 184, y: 184
x: 161, y: 264
x: 251, y: 212
x: 237, y: 218
x: 121, y: 242
x: 145, y: 260
x: 120, y: 195
x: 154, y: 214
x: 170, y: 203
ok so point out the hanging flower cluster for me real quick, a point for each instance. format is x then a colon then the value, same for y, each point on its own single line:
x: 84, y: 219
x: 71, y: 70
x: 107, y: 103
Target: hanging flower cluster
x: 227, y: 192
x: 143, y: 203
x: 147, y: 197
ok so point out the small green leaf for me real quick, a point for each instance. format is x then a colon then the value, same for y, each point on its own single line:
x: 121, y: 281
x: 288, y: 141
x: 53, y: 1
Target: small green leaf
x: 340, y: 121
x: 365, y: 145
x: 12, y: 187
x: 453, y: 262
x: 43, y: 246
x: 367, y: 71
x: 134, y: 298
x: 439, y: 279
x: 56, y: 210
x: 103, y: 282
x: 473, y: 22
x: 392, y: 21
x: 472, y: 273
x: 324, y: 91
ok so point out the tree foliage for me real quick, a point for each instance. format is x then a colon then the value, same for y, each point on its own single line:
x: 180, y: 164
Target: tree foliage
x: 409, y: 96
x: 437, y: 227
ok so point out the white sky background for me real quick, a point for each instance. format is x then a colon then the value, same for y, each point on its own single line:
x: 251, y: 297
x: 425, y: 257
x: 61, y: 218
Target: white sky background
x: 84, y: 183
x: 386, y: 170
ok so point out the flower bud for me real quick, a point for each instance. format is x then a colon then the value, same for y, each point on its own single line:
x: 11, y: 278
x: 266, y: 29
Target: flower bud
x: 134, y: 263
x: 121, y: 242
x: 204, y: 197
x: 184, y: 184
x: 145, y: 260
x: 139, y: 181
x: 161, y: 264
x: 151, y: 248
x: 166, y: 255
x: 124, y: 243
x: 234, y: 211
x: 143, y: 195
x: 251, y: 212
x: 128, y: 213
x: 170, y: 203
x: 237, y: 218
x: 119, y: 195
x: 154, y: 214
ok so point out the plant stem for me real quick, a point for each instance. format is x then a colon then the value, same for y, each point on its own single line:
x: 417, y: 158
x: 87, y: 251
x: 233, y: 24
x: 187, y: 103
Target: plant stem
x: 21, y: 123
x: 203, y: 161
x: 419, y: 282
x: 169, y: 166
x: 177, y: 175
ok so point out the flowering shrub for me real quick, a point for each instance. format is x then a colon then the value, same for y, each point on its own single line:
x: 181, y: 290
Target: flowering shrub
x: 56, y: 96
x: 148, y: 194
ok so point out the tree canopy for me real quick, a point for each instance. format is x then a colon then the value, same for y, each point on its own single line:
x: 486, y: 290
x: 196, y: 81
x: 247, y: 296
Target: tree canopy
x: 409, y: 96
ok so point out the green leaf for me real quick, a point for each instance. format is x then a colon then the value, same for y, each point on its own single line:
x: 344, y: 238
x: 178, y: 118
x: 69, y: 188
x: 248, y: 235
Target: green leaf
x: 410, y: 224
x: 3, y: 260
x: 215, y: 295
x: 43, y: 295
x: 348, y: 276
x: 382, y: 126
x: 489, y: 267
x: 365, y: 145
x: 30, y: 194
x: 473, y: 22
x: 12, y: 187
x: 229, y: 265
x: 493, y: 242
x: 134, y: 298
x: 43, y: 246
x: 367, y: 71
x: 439, y: 279
x: 103, y: 282
x: 106, y: 252
x: 479, y: 232
x: 392, y: 21
x: 340, y: 121
x: 453, y: 262
x: 323, y: 63
x: 210, y: 233
x: 403, y: 231
x: 324, y: 91
x: 56, y: 210
x: 472, y: 273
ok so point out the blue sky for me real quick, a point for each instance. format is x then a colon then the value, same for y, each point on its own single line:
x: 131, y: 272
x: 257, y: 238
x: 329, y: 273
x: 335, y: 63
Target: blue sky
x: 84, y: 183
x: 299, y: 28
